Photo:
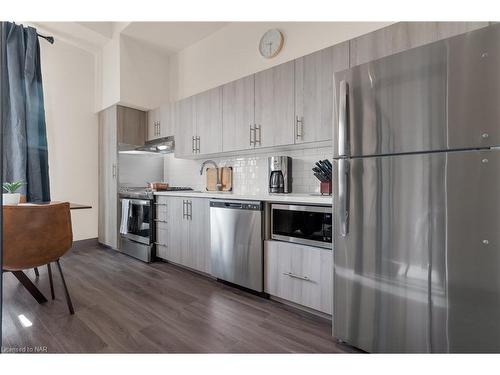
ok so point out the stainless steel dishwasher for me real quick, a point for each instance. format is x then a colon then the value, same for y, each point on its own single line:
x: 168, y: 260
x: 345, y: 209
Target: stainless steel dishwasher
x: 236, y: 242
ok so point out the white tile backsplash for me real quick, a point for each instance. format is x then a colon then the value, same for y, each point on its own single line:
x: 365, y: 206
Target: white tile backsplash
x: 250, y: 172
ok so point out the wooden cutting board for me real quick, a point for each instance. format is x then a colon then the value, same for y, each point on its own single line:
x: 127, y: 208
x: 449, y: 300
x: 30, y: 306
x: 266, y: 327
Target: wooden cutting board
x: 226, y: 177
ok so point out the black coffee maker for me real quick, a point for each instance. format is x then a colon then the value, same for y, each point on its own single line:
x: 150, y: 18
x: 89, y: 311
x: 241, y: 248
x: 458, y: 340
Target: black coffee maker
x: 280, y: 174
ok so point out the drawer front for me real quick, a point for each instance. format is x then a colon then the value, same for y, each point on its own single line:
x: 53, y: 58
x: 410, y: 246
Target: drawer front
x: 161, y: 252
x: 161, y: 214
x: 161, y: 235
x: 300, y: 274
x: 161, y: 199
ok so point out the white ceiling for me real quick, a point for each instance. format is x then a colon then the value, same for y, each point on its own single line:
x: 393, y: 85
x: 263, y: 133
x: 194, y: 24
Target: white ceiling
x: 171, y: 37
x: 166, y: 37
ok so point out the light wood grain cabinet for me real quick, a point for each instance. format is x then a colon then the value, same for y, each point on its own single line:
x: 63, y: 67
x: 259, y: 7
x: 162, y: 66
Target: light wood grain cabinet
x: 300, y: 274
x: 402, y: 36
x: 185, y: 128
x: 108, y: 178
x: 314, y: 92
x: 275, y: 106
x: 208, y: 121
x: 184, y: 238
x: 238, y: 114
x: 132, y: 125
x: 199, y: 124
x: 154, y: 124
x: 167, y: 119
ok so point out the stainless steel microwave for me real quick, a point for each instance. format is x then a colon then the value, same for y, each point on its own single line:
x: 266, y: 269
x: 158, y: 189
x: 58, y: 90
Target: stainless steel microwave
x: 308, y: 225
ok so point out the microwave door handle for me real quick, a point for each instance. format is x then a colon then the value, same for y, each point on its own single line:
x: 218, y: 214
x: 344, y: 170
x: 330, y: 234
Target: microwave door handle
x: 344, y: 195
x: 343, y: 130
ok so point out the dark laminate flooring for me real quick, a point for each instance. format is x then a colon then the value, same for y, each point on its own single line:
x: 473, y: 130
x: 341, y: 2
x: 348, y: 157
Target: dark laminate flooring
x: 123, y: 305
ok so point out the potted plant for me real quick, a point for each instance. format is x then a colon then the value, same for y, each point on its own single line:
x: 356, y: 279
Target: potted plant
x: 11, y: 197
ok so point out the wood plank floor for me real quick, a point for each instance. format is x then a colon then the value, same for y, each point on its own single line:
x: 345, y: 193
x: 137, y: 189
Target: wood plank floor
x: 123, y: 305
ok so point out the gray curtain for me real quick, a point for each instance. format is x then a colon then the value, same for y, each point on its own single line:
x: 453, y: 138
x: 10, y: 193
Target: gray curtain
x: 25, y: 155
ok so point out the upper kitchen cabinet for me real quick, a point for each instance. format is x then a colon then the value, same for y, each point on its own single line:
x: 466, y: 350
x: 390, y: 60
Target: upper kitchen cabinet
x: 208, y: 121
x: 185, y: 127
x: 131, y: 126
x: 274, y: 106
x: 402, y: 36
x: 167, y: 119
x: 314, y: 92
x: 154, y: 124
x: 238, y: 116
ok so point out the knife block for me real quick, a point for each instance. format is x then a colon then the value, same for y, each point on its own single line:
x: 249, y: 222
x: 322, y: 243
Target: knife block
x: 325, y: 188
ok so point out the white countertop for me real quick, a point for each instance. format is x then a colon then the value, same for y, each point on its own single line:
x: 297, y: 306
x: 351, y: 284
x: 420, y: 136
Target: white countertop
x: 290, y: 198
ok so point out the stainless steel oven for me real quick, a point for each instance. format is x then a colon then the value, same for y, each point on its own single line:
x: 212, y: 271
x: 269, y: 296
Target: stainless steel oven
x: 308, y: 225
x: 136, y: 228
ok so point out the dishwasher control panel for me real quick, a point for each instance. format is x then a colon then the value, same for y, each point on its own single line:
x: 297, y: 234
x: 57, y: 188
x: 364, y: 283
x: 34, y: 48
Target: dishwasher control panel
x: 238, y: 205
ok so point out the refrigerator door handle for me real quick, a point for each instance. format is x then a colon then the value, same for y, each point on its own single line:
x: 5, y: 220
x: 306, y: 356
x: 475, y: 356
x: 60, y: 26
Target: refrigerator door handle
x: 343, y: 138
x: 344, y: 190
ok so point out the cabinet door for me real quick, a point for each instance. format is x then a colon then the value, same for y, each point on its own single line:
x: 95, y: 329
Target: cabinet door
x: 177, y: 239
x: 275, y: 105
x: 402, y: 36
x: 167, y: 119
x: 238, y: 114
x: 154, y: 124
x: 314, y: 92
x: 131, y: 126
x: 108, y: 178
x: 184, y: 127
x: 197, y: 255
x: 208, y: 119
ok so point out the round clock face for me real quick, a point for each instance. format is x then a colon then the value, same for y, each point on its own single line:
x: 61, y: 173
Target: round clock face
x: 271, y: 43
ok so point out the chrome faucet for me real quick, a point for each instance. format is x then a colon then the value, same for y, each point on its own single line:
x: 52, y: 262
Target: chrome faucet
x: 218, y: 186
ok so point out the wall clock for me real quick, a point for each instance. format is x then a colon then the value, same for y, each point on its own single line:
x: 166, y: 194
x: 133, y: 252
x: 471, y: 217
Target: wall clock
x: 271, y: 43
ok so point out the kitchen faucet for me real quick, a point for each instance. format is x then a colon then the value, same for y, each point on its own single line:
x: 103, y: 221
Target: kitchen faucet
x: 218, y: 185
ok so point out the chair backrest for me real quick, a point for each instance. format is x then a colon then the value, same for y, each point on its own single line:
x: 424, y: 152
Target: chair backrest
x: 34, y: 235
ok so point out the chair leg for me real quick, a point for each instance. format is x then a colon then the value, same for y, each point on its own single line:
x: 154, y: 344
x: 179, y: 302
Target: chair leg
x: 51, y: 281
x: 37, y: 274
x: 68, y: 298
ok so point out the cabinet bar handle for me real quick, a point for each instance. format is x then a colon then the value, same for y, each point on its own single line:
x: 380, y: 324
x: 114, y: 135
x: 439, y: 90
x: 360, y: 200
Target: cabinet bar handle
x: 160, y: 244
x: 257, y: 127
x: 298, y: 127
x: 198, y: 139
x: 161, y: 221
x: 305, y: 278
x: 252, y: 130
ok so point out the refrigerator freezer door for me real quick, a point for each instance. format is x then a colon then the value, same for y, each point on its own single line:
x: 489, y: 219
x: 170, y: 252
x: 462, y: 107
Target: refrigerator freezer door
x: 418, y: 268
x: 442, y: 96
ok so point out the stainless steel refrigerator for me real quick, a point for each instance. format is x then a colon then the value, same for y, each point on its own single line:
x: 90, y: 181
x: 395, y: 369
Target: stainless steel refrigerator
x: 417, y: 199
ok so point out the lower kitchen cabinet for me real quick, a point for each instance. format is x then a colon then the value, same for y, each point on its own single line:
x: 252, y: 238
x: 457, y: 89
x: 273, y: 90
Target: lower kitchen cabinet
x: 300, y: 274
x: 184, y: 237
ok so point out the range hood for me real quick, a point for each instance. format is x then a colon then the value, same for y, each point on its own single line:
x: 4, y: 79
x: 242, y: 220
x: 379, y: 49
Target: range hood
x: 165, y: 145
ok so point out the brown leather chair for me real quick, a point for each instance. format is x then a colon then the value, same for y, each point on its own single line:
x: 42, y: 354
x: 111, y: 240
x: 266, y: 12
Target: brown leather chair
x: 37, y: 235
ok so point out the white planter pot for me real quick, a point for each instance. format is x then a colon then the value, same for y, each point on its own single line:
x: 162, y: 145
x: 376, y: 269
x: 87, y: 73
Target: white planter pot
x: 11, y: 199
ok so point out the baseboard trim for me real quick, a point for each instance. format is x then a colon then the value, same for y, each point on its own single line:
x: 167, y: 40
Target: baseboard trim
x: 302, y: 309
x: 84, y: 243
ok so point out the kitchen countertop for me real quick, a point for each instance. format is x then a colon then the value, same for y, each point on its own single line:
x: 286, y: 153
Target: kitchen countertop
x: 289, y: 198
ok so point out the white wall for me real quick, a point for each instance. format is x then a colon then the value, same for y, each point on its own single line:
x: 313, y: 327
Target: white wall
x: 107, y: 83
x: 232, y: 52
x: 144, y: 74
x: 132, y: 74
x: 68, y: 79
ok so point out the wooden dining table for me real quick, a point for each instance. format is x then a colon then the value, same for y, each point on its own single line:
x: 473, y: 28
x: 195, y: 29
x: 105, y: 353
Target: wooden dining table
x: 23, y: 278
